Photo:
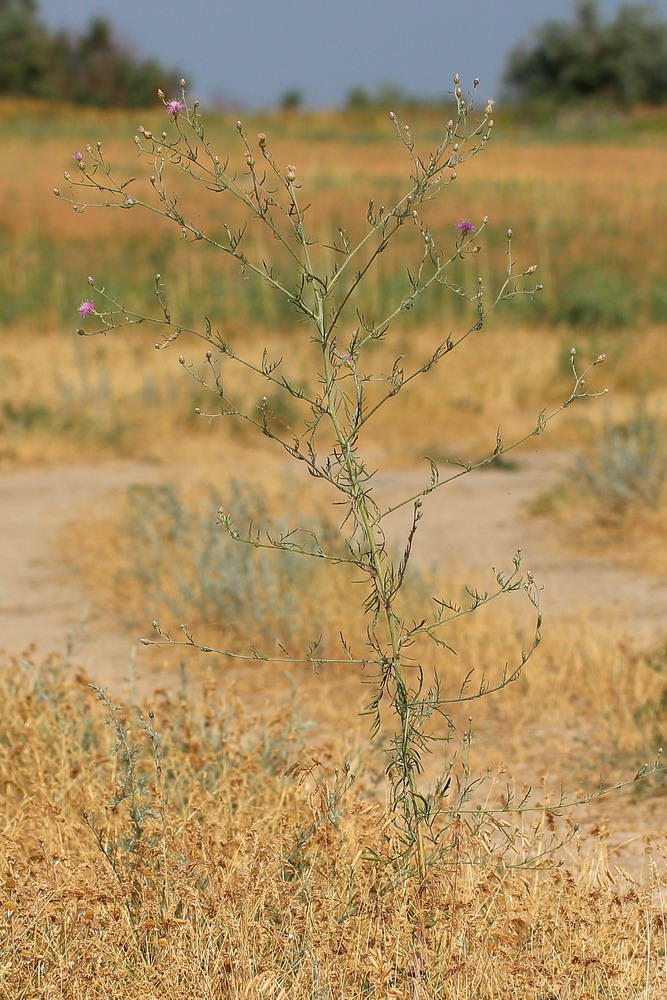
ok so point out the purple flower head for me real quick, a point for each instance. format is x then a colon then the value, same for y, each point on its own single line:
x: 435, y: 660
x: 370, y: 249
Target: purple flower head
x: 78, y: 157
x: 466, y: 226
x: 173, y: 107
x: 86, y: 307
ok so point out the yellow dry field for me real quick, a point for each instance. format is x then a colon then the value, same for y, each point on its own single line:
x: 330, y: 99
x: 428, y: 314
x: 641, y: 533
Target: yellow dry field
x: 226, y: 832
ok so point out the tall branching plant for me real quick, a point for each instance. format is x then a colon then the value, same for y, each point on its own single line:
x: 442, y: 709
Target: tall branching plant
x: 321, y: 276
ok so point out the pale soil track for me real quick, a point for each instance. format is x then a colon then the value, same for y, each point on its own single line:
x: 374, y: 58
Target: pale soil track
x: 475, y: 523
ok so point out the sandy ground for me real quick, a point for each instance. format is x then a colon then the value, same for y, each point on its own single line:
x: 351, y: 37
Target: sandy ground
x: 477, y: 522
x: 42, y: 603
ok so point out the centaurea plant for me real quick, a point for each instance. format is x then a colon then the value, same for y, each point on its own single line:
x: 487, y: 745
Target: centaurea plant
x: 321, y: 282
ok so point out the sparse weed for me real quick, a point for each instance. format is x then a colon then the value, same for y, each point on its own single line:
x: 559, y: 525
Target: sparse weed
x: 626, y: 466
x: 321, y: 284
x: 326, y: 282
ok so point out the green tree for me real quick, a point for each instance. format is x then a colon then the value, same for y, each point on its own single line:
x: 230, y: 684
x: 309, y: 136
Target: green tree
x: 386, y: 95
x: 91, y: 67
x: 26, y: 49
x: 622, y: 61
x: 104, y: 72
x: 291, y: 100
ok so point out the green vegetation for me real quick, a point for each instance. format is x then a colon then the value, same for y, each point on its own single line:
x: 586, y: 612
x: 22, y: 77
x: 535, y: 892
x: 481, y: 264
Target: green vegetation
x: 622, y: 61
x: 92, y: 67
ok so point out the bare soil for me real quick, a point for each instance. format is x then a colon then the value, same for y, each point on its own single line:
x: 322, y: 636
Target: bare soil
x: 474, y: 523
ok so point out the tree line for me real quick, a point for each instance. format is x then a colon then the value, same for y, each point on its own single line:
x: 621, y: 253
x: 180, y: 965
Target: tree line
x: 89, y: 67
x: 621, y: 60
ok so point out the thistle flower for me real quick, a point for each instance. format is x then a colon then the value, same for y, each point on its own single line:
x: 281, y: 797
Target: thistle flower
x: 466, y: 226
x: 87, y: 306
x: 174, y: 107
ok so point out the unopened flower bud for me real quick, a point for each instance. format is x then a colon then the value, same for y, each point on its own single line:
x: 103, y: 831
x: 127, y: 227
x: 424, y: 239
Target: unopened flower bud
x: 291, y: 173
x: 510, y: 234
x: 209, y: 355
x: 182, y: 82
x: 453, y: 176
x: 457, y: 78
x: 181, y: 359
x: 392, y: 116
x: 250, y: 161
x: 450, y: 124
x: 475, y: 82
x: 261, y: 140
x: 485, y: 219
x: 56, y: 192
x: 160, y: 93
x: 66, y: 175
x: 239, y: 126
x: 91, y: 280
x: 459, y: 92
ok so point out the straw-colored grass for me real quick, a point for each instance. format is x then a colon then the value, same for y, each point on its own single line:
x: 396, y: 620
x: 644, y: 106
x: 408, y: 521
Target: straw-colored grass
x: 247, y: 881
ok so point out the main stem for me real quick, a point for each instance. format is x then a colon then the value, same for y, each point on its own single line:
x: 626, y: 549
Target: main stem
x: 384, y: 596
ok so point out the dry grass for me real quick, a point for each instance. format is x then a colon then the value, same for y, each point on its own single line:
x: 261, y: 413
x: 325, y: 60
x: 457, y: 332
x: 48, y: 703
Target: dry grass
x: 636, y: 538
x: 66, y: 398
x: 247, y: 882
x: 576, y: 210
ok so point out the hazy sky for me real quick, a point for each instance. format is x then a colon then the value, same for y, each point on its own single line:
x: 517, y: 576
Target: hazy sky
x: 254, y: 51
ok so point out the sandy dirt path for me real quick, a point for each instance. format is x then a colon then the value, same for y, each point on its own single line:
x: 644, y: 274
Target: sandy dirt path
x: 42, y: 603
x: 477, y: 522
x: 481, y: 519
